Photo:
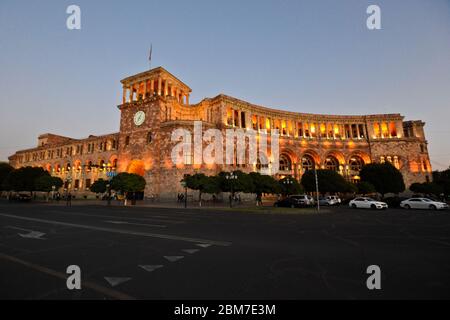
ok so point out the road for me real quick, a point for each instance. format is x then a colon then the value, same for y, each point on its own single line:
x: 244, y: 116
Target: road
x: 162, y: 253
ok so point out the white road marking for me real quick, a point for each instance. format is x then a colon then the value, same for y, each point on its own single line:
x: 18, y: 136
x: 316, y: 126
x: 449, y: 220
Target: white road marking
x: 63, y: 276
x: 166, y: 219
x: 114, y: 281
x: 136, y: 224
x: 203, y: 245
x: 173, y: 258
x: 151, y: 268
x: 190, y: 251
x: 121, y: 231
x: 31, y: 233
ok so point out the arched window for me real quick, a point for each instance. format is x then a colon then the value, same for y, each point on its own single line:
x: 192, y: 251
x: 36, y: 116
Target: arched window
x: 331, y: 163
x: 308, y: 163
x: 356, y: 163
x: 127, y: 140
x: 285, y: 163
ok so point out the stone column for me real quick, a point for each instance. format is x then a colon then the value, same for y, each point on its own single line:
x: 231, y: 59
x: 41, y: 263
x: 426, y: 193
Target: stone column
x: 131, y: 93
x: 152, y: 87
x: 145, y: 89
x: 124, y: 95
x: 166, y: 88
x: 159, y: 86
x: 357, y: 131
x: 187, y: 99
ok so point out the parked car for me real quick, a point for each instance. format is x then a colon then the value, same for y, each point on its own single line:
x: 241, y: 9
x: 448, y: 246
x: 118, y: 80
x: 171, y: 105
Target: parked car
x: 336, y: 199
x: 423, y: 203
x: 328, y: 201
x: 367, y: 203
x: 24, y: 197
x: 304, y: 199
x: 288, y: 202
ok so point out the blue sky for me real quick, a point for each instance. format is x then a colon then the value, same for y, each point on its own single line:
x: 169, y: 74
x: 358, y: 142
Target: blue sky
x: 305, y: 56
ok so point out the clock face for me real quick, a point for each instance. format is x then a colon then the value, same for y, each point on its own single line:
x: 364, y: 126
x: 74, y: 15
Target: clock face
x: 139, y: 118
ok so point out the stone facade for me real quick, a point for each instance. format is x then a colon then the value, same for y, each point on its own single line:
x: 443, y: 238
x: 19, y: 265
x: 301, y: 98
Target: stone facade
x: 155, y: 103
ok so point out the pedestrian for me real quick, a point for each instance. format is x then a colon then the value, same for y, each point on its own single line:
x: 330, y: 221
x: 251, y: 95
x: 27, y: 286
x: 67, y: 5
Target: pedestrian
x: 69, y: 199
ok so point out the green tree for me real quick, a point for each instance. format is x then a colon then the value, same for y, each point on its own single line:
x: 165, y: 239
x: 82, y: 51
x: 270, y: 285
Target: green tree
x: 128, y: 183
x: 99, y: 186
x: 262, y: 183
x: 328, y: 180
x: 203, y: 184
x: 365, y: 187
x: 384, y: 177
x: 289, y: 186
x: 427, y: 188
x: 24, y: 179
x: 242, y: 183
x: 46, y: 183
x: 5, y: 170
x: 442, y: 178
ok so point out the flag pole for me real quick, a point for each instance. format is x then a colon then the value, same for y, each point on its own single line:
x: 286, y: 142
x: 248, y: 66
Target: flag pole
x: 150, y: 57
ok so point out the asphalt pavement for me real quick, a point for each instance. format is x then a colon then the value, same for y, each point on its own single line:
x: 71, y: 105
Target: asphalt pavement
x: 176, y: 253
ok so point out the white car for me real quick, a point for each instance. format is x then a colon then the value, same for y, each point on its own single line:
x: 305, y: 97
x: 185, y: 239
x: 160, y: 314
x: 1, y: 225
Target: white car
x: 367, y: 203
x: 423, y: 203
x: 303, y: 199
x: 336, y: 199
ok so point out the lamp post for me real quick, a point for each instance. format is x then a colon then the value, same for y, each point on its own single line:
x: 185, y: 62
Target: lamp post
x: 287, y: 182
x: 317, y: 183
x: 317, y: 188
x: 53, y: 192
x: 231, y: 176
x: 110, y: 175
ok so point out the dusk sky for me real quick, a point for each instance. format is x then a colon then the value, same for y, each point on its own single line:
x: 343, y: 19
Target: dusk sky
x: 303, y: 56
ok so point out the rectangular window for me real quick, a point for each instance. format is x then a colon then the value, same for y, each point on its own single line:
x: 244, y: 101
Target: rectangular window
x: 393, y: 129
x: 347, y: 131
x: 377, y: 130
x: 229, y: 116
x: 337, y: 131
x: 384, y: 130
x: 243, y: 120
x: 255, y: 122
x: 312, y: 129
x: 300, y: 129
x: 362, y: 130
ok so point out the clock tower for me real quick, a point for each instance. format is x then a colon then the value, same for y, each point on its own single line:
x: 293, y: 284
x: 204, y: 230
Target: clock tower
x: 150, y: 102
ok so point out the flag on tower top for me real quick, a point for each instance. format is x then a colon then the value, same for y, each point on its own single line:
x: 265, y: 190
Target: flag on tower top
x: 150, y: 55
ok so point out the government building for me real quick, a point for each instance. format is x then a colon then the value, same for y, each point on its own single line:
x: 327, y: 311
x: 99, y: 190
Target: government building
x: 155, y: 103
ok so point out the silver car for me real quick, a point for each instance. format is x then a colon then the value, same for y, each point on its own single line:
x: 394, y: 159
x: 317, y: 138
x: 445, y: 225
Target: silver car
x: 367, y: 203
x: 303, y: 199
x: 423, y: 203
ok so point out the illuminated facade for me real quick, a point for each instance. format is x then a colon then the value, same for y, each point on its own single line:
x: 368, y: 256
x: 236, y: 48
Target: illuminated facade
x: 155, y: 103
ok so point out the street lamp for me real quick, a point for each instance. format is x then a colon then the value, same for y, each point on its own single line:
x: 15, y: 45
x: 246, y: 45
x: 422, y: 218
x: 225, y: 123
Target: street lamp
x: 53, y: 192
x: 287, y: 182
x: 317, y: 182
x: 231, y: 176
